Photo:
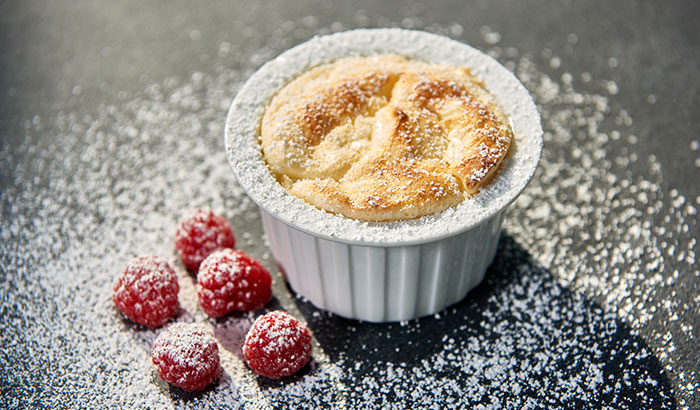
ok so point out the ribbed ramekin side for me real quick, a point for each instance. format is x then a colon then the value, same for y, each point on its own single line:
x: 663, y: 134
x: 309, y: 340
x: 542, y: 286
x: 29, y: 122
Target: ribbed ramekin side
x: 280, y: 245
x: 403, y: 273
x: 334, y: 260
x: 383, y: 283
x: 318, y: 269
x: 306, y: 261
x: 369, y: 285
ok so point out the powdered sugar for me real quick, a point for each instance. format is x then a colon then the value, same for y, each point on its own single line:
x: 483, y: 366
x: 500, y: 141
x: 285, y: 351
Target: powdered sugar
x: 583, y: 356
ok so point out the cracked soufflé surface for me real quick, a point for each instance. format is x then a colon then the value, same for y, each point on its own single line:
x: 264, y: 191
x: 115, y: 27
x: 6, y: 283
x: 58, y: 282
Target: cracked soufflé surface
x: 384, y: 138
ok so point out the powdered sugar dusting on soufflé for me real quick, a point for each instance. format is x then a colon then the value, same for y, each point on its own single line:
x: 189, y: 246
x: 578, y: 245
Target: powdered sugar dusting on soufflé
x: 384, y: 138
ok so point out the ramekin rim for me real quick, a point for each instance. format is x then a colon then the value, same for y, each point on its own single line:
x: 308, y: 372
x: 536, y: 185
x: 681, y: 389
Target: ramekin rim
x: 251, y: 171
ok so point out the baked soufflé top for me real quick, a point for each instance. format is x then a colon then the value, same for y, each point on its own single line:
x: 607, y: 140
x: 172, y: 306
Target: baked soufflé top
x: 384, y: 138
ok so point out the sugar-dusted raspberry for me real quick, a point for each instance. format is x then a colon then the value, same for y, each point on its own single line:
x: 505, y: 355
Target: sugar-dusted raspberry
x: 187, y: 355
x: 146, y: 292
x: 200, y: 233
x: 277, y: 345
x: 232, y: 280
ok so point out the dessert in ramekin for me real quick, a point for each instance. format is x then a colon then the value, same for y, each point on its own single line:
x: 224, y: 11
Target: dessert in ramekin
x: 391, y: 270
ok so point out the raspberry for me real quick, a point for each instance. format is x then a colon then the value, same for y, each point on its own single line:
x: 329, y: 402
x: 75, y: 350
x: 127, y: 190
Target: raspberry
x: 200, y: 233
x: 232, y: 280
x: 277, y: 345
x: 187, y: 356
x: 147, y: 291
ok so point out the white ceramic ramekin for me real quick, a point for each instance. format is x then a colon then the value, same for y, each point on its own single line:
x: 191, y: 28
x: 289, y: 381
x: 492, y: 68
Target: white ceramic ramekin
x: 390, y: 271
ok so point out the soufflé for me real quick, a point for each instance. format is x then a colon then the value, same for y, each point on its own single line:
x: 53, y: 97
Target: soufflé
x: 384, y: 138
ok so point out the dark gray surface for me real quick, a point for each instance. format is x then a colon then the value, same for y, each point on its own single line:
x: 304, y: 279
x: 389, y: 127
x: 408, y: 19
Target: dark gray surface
x: 111, y: 51
x: 47, y: 49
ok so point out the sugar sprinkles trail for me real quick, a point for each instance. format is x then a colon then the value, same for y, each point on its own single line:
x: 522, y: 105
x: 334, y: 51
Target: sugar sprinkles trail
x: 554, y: 325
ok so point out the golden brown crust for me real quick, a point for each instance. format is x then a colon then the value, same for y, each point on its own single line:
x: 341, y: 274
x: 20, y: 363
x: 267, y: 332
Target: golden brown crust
x: 384, y: 138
